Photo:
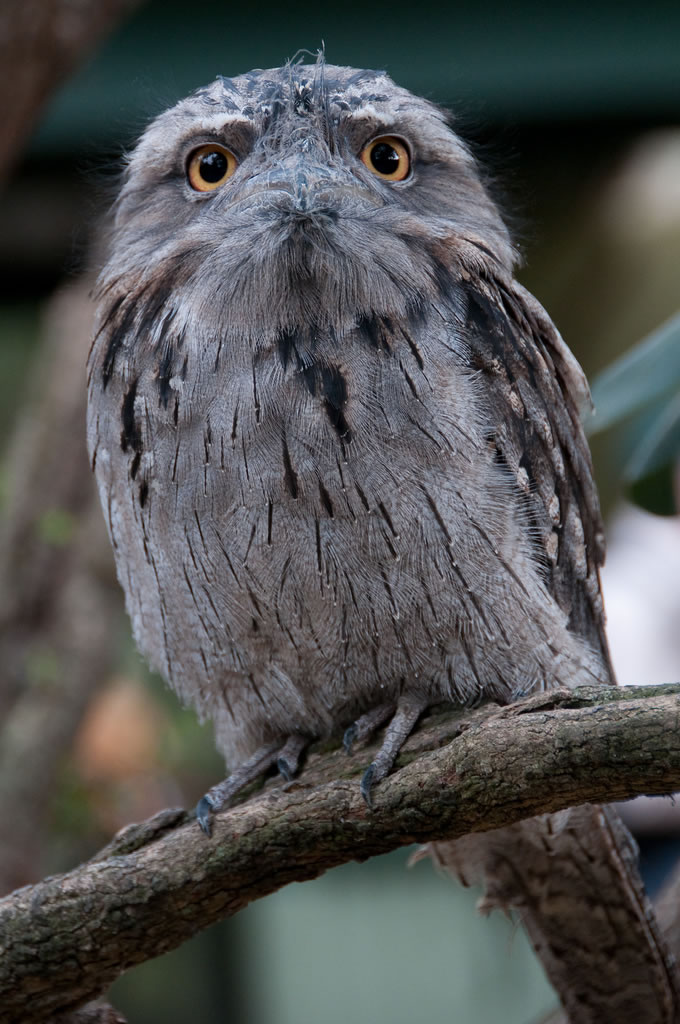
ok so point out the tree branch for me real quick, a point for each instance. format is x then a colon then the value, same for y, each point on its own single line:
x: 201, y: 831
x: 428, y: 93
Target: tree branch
x: 64, y: 940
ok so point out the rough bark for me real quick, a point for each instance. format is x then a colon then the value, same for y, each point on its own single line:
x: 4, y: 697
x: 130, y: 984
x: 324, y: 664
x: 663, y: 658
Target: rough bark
x: 65, y: 939
x: 41, y: 43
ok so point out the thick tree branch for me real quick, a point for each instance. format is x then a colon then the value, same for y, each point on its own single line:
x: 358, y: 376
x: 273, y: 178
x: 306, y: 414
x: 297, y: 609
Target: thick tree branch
x: 64, y: 940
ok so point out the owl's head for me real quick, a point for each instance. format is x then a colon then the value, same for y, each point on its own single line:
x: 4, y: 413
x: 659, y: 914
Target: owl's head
x: 303, y: 194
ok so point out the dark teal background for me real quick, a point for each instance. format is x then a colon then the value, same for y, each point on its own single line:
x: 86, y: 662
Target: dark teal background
x: 526, y: 61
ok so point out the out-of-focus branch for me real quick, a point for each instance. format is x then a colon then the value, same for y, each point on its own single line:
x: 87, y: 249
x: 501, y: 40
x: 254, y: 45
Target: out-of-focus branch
x: 41, y: 43
x: 668, y: 911
x: 572, y: 880
x: 58, y: 600
x: 64, y: 940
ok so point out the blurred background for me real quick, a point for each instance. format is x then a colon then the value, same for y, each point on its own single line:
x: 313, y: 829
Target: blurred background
x: 575, y: 111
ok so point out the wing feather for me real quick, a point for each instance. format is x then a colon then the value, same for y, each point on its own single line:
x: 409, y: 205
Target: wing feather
x: 536, y: 391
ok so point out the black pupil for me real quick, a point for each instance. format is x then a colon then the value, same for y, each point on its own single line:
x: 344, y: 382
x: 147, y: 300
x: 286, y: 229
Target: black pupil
x: 385, y: 158
x: 213, y: 166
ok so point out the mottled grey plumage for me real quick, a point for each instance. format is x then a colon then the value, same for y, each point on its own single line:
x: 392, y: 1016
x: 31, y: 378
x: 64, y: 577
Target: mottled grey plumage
x: 337, y: 445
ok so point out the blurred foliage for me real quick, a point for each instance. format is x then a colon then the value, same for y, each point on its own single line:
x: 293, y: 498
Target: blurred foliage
x: 56, y: 527
x: 638, y: 396
x: 19, y: 325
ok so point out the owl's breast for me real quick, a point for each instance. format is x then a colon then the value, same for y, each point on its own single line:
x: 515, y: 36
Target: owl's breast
x: 237, y: 462
x: 307, y: 512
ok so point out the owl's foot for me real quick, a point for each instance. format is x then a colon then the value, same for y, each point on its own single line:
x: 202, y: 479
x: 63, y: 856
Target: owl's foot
x: 220, y: 795
x: 365, y: 726
x: 287, y: 757
x: 288, y: 760
x: 400, y: 728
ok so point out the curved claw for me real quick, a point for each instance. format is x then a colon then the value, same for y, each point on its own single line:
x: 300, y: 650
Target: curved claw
x: 220, y: 795
x: 407, y: 714
x: 366, y: 725
x: 349, y: 737
x: 204, y: 814
x: 288, y: 761
x: 367, y: 784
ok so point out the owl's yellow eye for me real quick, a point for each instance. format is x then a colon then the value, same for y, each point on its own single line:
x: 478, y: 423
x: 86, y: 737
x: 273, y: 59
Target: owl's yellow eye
x: 209, y: 167
x: 387, y: 157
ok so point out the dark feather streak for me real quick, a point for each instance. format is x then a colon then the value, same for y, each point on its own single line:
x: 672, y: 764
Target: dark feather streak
x: 334, y: 388
x: 326, y: 500
x: 130, y: 435
x: 289, y: 474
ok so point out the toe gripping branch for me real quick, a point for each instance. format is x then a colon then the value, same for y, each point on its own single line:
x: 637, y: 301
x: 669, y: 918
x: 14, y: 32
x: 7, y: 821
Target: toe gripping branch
x: 403, y: 718
x: 286, y: 758
x: 402, y: 723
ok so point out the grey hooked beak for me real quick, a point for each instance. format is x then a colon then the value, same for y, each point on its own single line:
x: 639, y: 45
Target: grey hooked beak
x: 304, y: 185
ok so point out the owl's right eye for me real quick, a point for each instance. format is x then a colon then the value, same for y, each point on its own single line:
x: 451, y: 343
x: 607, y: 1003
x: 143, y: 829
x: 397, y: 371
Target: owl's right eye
x: 209, y: 167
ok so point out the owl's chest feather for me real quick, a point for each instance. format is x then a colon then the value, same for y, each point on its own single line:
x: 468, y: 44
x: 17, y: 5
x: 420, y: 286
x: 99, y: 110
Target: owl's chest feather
x: 335, y: 522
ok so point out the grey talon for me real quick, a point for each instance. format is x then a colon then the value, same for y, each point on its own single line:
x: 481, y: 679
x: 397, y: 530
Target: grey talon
x: 367, y: 785
x: 349, y: 737
x: 204, y: 814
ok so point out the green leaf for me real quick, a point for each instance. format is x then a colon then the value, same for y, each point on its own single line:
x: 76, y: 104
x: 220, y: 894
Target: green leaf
x: 639, y: 397
x: 659, y: 445
x: 647, y: 374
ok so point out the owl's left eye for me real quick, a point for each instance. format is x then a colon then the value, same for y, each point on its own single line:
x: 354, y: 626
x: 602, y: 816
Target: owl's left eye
x: 209, y: 167
x: 387, y: 157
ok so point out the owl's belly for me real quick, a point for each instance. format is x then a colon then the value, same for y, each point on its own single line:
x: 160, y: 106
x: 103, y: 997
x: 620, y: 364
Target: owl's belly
x: 296, y: 612
x: 300, y: 622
